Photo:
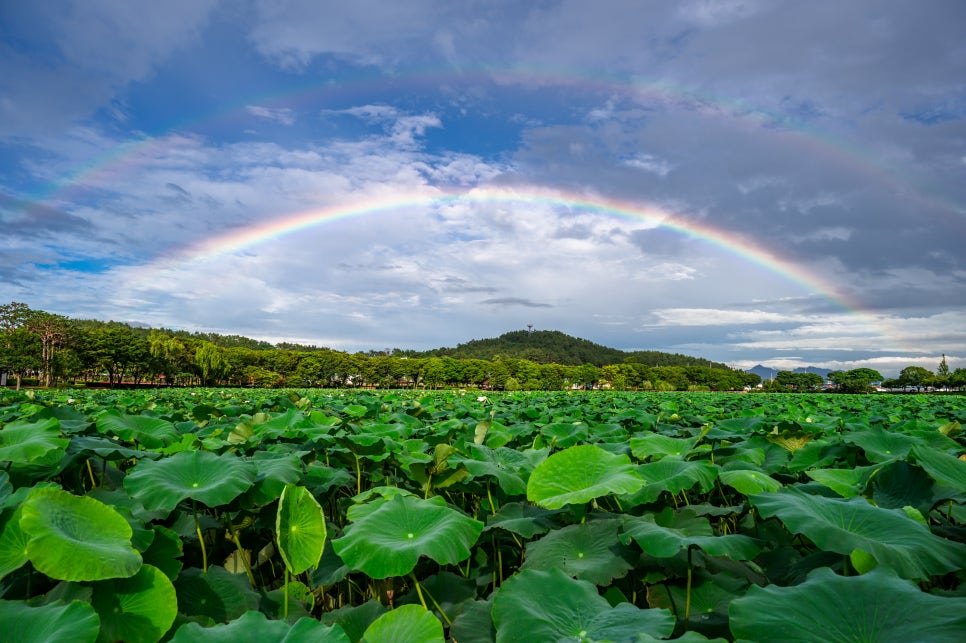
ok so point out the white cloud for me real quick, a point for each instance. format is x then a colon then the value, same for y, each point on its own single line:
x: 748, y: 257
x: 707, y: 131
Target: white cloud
x: 282, y: 115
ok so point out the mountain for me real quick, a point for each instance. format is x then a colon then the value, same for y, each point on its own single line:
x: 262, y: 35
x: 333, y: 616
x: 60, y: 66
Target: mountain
x: 553, y: 346
x: 769, y: 372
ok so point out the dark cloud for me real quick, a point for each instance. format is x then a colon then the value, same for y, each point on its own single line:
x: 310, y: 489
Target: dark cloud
x: 26, y: 218
x: 514, y: 301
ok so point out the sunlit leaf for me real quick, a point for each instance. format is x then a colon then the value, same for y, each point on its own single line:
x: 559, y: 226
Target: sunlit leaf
x: 580, y: 474
x: 389, y: 541
x: 300, y: 529
x: 139, y: 609
x: 876, y: 606
x: 76, y: 622
x: 77, y: 538
x: 405, y: 624
x: 210, y: 479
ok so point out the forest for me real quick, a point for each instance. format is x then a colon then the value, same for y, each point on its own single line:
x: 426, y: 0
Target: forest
x: 46, y: 349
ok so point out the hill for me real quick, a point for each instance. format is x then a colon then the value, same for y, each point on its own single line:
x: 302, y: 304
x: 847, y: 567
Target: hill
x: 767, y: 372
x: 553, y: 346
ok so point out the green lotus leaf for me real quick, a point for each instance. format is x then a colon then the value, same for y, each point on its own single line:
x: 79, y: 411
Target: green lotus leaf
x: 389, y: 541
x: 707, y: 601
x: 841, y: 526
x: 590, y: 552
x: 876, y: 606
x: 881, y: 445
x: 139, y: 609
x: 76, y: 622
x: 664, y: 535
x: 655, y: 445
x: 749, y: 481
x: 211, y: 479
x: 474, y: 623
x: 522, y: 518
x: 580, y: 474
x: 77, y: 538
x: 23, y: 442
x: 217, y: 594
x: 255, y: 626
x: 670, y: 474
x: 165, y: 550
x: 848, y: 483
x: 947, y: 470
x: 565, y: 434
x: 506, y: 465
x: 300, y: 529
x: 355, y: 619
x: 272, y: 472
x: 150, y: 432
x: 405, y: 624
x: 13, y: 541
x: 550, y: 606
x: 900, y: 484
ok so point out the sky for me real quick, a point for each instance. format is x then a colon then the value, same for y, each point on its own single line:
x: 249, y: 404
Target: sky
x: 746, y: 181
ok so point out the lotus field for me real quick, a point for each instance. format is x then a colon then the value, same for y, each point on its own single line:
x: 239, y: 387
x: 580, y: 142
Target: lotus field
x: 251, y: 515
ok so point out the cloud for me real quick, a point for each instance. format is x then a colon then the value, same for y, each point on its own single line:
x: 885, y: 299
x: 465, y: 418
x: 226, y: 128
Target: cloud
x: 514, y: 301
x: 282, y: 115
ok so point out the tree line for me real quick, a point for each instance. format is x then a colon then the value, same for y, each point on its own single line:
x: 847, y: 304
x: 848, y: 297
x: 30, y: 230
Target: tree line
x: 49, y: 349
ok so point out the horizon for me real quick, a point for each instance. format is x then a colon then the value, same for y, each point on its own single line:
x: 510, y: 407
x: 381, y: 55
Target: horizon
x: 776, y: 183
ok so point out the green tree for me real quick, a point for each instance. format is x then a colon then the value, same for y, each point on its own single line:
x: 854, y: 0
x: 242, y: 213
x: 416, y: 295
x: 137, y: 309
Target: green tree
x: 857, y: 380
x: 52, y: 331
x: 942, y: 373
x: 211, y: 362
x: 914, y: 376
x: 19, y: 352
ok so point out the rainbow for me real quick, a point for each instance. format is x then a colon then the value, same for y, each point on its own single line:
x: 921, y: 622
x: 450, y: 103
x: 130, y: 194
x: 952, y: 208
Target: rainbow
x: 118, y: 161
x: 242, y: 239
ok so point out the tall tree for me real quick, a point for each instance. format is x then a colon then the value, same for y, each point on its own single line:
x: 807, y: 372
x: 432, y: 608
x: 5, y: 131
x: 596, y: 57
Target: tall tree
x: 18, y: 352
x: 52, y: 331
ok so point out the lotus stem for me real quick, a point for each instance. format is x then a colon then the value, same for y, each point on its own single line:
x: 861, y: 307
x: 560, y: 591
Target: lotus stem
x: 285, y: 594
x: 687, y: 596
x: 241, y: 553
x: 90, y: 472
x: 419, y: 591
x: 201, y: 538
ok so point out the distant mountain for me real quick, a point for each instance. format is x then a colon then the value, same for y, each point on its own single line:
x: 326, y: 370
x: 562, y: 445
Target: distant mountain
x: 769, y: 372
x: 553, y: 346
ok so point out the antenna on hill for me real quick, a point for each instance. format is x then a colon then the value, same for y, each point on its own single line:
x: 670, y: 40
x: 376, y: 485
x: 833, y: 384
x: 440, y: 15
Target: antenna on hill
x: 529, y: 329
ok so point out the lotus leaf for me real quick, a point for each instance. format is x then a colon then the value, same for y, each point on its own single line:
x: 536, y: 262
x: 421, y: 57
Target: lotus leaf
x: 506, y: 465
x: 405, y: 624
x: 748, y: 481
x: 76, y: 622
x: 139, y: 609
x: 664, y: 535
x: 881, y: 445
x: 947, y: 470
x: 389, y: 541
x: 550, y: 606
x: 217, y: 594
x: 841, y: 526
x: 211, y: 479
x: 354, y: 620
x: 580, y: 474
x: 590, y: 552
x: 674, y: 476
x: 522, y: 518
x: 77, y: 538
x: 300, y: 529
x: 876, y: 606
x: 655, y: 445
x: 254, y: 626
x: 13, y: 541
x: 151, y: 432
x: 23, y: 442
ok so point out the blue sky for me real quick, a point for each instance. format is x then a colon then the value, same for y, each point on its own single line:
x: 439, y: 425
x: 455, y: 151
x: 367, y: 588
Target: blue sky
x: 802, y: 167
